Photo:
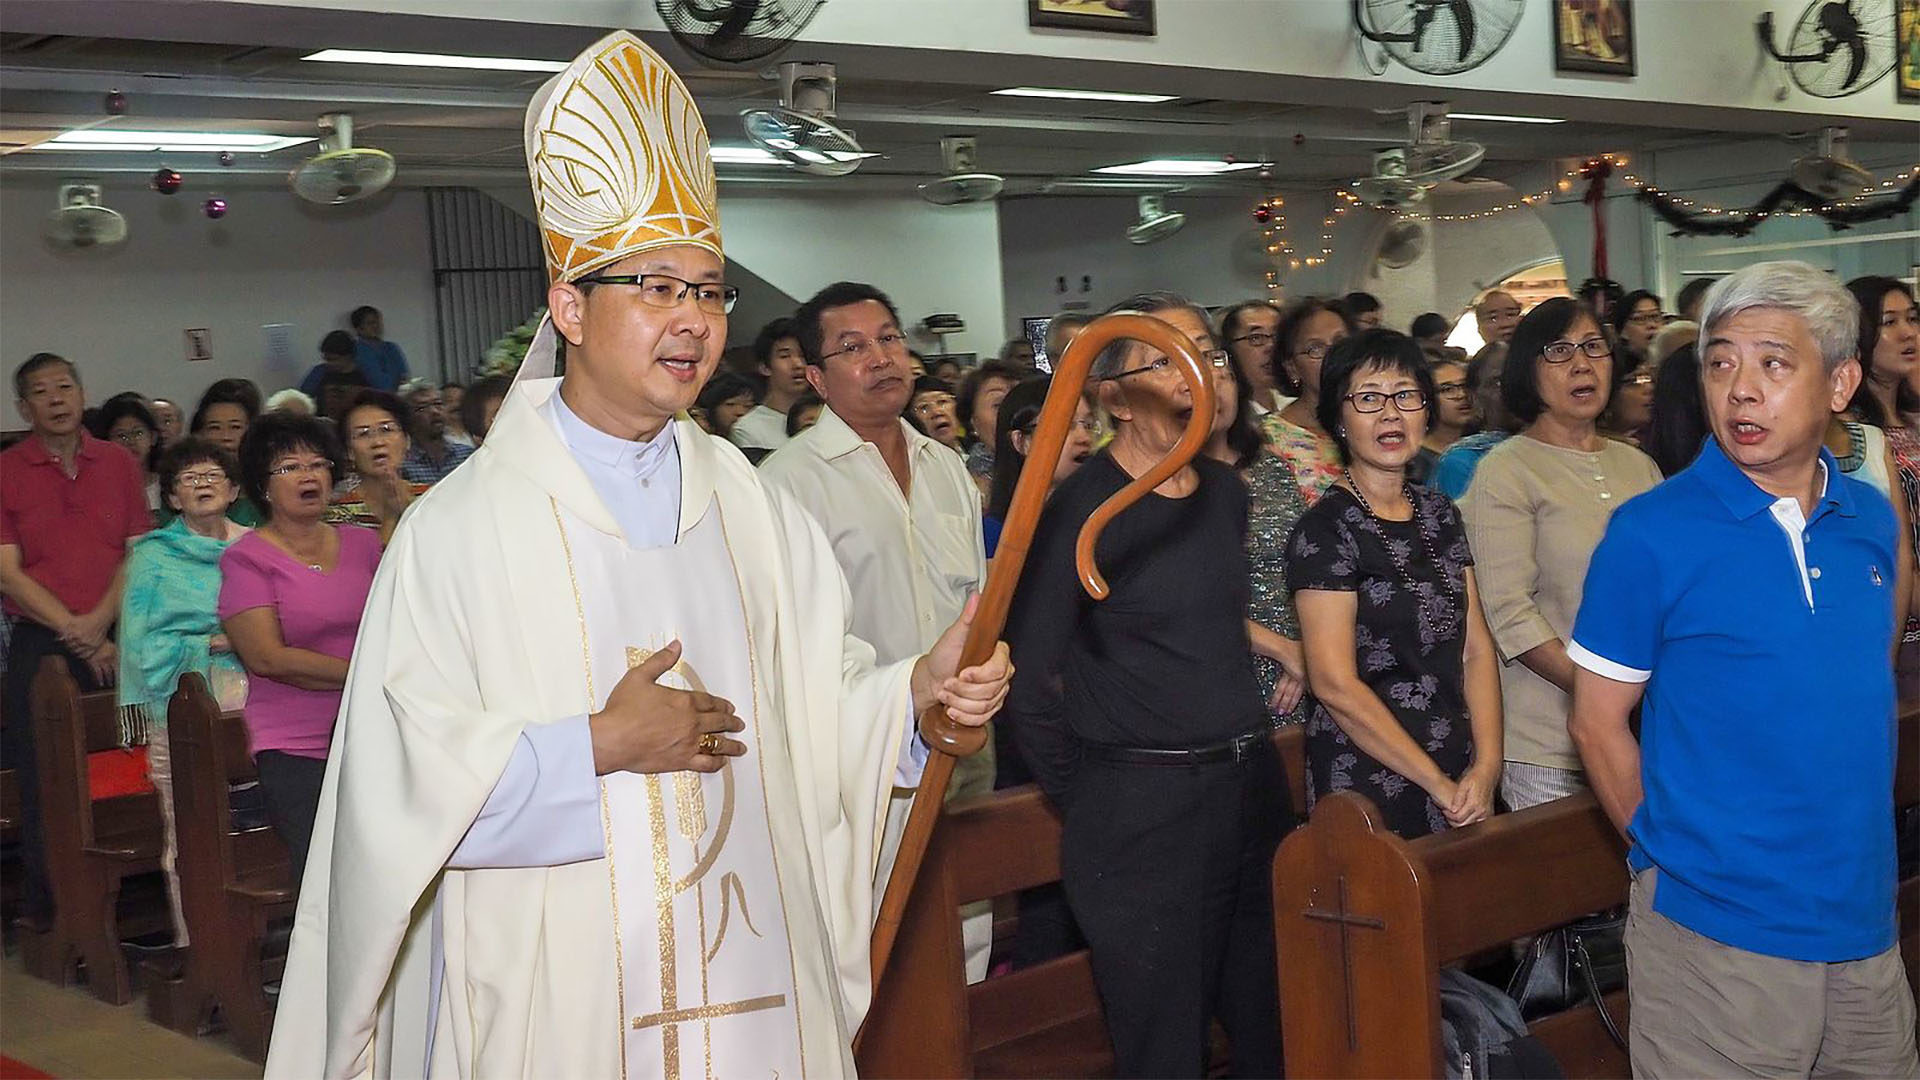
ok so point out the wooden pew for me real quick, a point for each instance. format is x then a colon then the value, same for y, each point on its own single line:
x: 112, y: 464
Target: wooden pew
x: 10, y: 888
x: 1040, y: 1021
x: 233, y: 883
x: 93, y: 845
x: 1364, y: 921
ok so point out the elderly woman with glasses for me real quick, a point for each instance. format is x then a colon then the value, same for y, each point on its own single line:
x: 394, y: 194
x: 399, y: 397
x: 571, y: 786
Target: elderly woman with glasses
x: 1306, y: 331
x: 1143, y: 720
x: 1406, y: 690
x: 168, y: 624
x: 374, y: 494
x: 291, y: 595
x: 1539, y: 504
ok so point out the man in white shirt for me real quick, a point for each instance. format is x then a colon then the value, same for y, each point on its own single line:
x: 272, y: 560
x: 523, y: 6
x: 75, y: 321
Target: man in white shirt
x: 785, y: 369
x: 899, y: 509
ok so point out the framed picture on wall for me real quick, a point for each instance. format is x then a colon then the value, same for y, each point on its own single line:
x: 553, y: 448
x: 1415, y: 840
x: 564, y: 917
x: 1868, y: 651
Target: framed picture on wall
x: 1906, y: 53
x: 1104, y: 16
x: 1594, y: 35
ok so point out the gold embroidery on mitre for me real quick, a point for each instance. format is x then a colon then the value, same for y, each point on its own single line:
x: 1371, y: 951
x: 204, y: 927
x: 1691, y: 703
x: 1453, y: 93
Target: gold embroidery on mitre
x: 618, y: 157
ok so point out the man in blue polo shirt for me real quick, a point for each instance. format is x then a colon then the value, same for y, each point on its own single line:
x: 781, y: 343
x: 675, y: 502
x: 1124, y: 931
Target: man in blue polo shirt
x: 1752, y: 600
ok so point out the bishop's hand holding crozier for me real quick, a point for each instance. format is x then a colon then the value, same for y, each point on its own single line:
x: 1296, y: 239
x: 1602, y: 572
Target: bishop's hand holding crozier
x: 607, y: 787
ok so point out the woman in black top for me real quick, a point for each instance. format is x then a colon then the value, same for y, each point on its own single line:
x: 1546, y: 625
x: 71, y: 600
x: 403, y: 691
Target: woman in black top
x: 1143, y: 720
x: 1399, y: 658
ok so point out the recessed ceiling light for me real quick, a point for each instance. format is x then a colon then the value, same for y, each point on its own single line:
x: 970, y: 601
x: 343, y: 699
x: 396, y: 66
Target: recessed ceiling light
x: 116, y: 139
x: 1507, y: 119
x: 434, y: 60
x: 1085, y: 95
x: 1178, y: 167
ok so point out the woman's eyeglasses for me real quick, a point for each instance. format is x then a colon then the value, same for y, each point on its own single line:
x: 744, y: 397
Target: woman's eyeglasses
x: 1216, y: 357
x: 368, y: 431
x: 1559, y: 352
x: 1411, y: 399
x: 293, y: 468
x: 210, y: 478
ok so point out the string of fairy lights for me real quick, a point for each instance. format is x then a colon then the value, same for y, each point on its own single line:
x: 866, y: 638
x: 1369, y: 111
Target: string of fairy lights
x: 1281, y: 254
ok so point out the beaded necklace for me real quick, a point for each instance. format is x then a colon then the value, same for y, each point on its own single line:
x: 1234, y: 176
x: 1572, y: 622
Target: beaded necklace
x: 1438, y: 618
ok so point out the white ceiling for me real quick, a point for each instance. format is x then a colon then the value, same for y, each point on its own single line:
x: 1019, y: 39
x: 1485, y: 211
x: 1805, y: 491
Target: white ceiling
x: 58, y: 59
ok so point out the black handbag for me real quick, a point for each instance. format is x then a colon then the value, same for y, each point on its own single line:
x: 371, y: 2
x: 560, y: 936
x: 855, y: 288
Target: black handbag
x: 1567, y: 966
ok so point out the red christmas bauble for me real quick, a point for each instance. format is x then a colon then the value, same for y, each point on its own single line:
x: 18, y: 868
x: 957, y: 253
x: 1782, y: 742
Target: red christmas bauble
x: 1263, y: 213
x: 215, y: 208
x: 167, y: 181
x: 116, y: 103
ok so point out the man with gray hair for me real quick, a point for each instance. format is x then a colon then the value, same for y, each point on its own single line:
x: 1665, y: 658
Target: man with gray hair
x: 432, y: 455
x: 1748, y: 606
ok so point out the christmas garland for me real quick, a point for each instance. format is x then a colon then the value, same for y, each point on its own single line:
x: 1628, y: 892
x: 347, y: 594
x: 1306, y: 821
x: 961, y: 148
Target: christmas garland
x: 1838, y: 216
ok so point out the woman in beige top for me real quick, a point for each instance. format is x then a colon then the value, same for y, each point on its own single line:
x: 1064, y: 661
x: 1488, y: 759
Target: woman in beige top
x: 1537, y: 508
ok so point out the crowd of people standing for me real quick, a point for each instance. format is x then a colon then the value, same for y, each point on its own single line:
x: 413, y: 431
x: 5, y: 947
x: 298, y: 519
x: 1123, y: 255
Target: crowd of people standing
x: 1459, y: 573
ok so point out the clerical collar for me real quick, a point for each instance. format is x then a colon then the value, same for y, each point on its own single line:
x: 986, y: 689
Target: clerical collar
x: 627, y: 456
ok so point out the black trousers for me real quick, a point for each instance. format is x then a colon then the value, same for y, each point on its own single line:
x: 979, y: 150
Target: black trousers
x: 1169, y: 872
x: 290, y: 786
x: 29, y: 644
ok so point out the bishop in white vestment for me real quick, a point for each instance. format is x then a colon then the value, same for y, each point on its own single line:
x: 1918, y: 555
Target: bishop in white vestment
x: 494, y: 891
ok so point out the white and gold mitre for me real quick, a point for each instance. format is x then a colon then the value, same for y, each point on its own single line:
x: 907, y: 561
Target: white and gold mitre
x: 618, y: 156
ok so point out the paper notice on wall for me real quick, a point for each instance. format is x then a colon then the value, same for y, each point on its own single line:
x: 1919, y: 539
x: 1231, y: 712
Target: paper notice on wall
x: 199, y: 345
x: 279, y: 345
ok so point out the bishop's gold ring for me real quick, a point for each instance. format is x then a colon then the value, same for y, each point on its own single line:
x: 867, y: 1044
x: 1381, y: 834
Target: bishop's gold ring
x: 710, y: 744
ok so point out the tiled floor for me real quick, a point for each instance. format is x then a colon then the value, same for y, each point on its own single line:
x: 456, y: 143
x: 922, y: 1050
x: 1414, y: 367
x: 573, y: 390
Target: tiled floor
x: 69, y: 1034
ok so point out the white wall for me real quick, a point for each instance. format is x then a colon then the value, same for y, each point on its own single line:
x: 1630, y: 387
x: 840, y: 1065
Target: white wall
x: 1214, y: 259
x: 121, y: 313
x: 927, y: 258
x: 1693, y: 54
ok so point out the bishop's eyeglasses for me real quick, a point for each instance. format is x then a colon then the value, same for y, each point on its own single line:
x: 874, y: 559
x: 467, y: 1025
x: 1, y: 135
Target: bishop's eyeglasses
x: 666, y: 291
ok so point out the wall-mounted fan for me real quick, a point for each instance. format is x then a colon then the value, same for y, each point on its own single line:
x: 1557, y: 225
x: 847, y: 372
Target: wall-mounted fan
x: 725, y: 33
x: 1403, y: 175
x: 1838, y: 47
x: 964, y: 182
x: 1403, y: 244
x: 800, y: 130
x: 1830, y: 173
x: 81, y: 222
x: 1436, y: 37
x: 341, y: 172
x: 1155, y: 221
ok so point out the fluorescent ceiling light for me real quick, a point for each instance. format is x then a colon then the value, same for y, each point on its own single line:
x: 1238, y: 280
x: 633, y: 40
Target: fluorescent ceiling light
x: 1085, y: 95
x: 434, y: 60
x: 754, y: 155
x: 116, y: 139
x: 1177, y: 167
x: 1507, y: 119
x: 743, y: 155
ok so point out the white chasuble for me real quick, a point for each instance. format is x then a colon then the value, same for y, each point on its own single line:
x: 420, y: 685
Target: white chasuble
x: 706, y: 980
x: 498, y: 584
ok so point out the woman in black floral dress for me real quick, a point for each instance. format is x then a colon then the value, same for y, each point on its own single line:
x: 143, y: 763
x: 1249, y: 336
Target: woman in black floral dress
x: 1401, y: 665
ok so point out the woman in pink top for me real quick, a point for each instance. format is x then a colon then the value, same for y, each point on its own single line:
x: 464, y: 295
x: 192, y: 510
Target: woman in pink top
x: 291, y: 595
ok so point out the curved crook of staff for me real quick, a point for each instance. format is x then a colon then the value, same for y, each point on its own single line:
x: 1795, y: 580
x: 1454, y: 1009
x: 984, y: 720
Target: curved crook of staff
x: 941, y: 733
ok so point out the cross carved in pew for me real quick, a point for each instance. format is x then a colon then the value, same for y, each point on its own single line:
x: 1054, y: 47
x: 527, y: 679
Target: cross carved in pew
x: 1346, y: 921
